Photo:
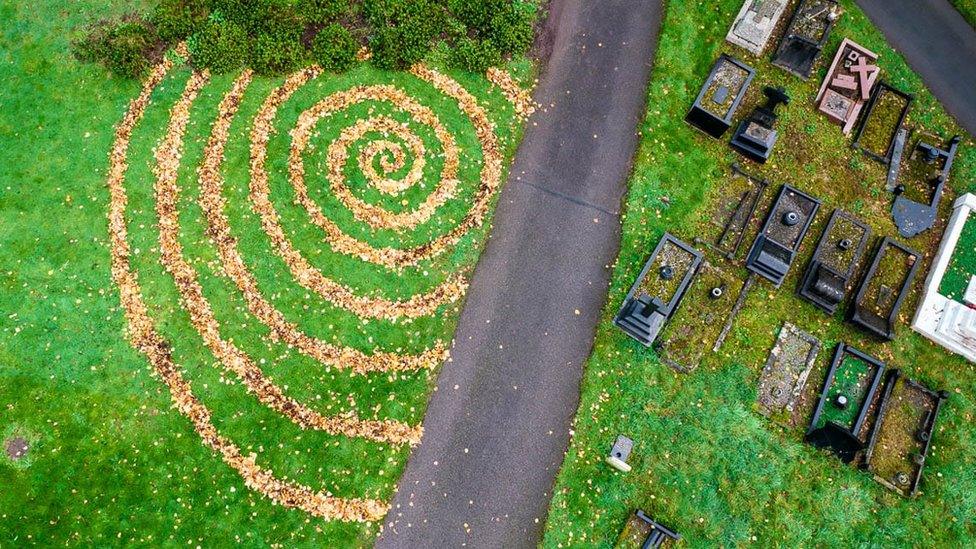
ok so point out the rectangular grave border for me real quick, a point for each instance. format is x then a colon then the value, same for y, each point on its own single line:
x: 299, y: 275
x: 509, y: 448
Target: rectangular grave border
x: 820, y: 437
x: 929, y: 429
x: 809, y: 279
x: 800, y: 383
x: 861, y: 320
x: 880, y: 88
x: 748, y: 205
x: 801, y: 45
x: 765, y: 247
x: 708, y: 122
x: 746, y: 13
x: 662, y: 346
x: 627, y: 314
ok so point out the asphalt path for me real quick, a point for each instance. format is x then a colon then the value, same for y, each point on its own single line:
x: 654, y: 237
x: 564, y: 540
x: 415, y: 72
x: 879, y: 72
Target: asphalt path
x: 938, y: 44
x: 498, y: 424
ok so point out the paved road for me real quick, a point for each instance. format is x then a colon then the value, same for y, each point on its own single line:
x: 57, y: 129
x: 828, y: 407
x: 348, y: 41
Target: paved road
x: 498, y: 425
x: 938, y: 44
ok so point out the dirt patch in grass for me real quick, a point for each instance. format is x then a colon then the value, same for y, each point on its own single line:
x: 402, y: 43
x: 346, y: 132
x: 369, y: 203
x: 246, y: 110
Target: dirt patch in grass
x: 16, y: 448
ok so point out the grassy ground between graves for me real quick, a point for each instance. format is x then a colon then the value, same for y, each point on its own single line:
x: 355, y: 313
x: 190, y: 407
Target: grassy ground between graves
x: 706, y: 462
x: 110, y: 460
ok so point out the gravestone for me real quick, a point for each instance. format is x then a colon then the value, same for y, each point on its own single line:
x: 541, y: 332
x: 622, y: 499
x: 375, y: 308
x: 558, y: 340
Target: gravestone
x: 756, y: 136
x: 695, y: 328
x: 902, y: 437
x: 658, y: 290
x: 828, y: 278
x: 806, y: 36
x: 849, y: 391
x: 755, y: 23
x: 779, y: 240
x: 620, y: 453
x: 884, y: 288
x: 848, y: 84
x: 720, y: 96
x: 785, y: 375
x: 926, y: 171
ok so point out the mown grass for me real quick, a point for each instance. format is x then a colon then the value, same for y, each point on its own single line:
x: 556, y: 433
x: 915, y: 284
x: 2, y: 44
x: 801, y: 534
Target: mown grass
x: 706, y: 462
x: 111, y: 462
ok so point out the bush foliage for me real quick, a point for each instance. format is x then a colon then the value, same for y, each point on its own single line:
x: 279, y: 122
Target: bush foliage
x: 277, y: 36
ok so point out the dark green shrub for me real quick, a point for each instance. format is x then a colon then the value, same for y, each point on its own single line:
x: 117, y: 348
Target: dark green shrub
x: 220, y: 46
x: 127, y: 48
x: 475, y: 55
x: 334, y: 48
x: 177, y: 19
x: 477, y: 14
x: 278, y: 53
x: 322, y: 11
x: 512, y: 27
x: 403, y: 30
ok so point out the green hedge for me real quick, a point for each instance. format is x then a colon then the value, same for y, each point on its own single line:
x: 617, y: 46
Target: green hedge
x: 278, y: 36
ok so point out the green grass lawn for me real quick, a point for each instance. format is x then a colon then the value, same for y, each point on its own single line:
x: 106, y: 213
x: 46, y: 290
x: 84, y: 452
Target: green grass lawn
x: 110, y: 461
x: 706, y: 462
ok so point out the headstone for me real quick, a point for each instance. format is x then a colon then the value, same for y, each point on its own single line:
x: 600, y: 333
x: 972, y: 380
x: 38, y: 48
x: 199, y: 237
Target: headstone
x: 720, y: 96
x: 779, y: 240
x: 756, y: 136
x: 838, y: 423
x: 830, y: 273
x: 805, y: 36
x: 785, y: 375
x: 755, y: 23
x: 620, y: 453
x: 658, y: 290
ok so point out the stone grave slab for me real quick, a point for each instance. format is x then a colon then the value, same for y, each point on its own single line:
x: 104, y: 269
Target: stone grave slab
x: 755, y: 23
x: 806, y: 35
x: 779, y: 241
x: 658, y: 290
x: 848, y: 84
x: 829, y: 276
x: 785, y: 375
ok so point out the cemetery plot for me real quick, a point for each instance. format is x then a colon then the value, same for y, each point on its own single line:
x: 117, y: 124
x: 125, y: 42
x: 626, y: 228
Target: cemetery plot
x: 756, y: 135
x: 644, y: 532
x: 658, y: 291
x: 736, y: 214
x: 806, y: 36
x: 848, y: 394
x: 920, y: 184
x: 720, y: 96
x: 755, y: 24
x: 696, y: 327
x: 883, y: 289
x: 883, y: 118
x: 828, y: 278
x: 848, y: 84
x: 785, y: 375
x: 779, y: 241
x: 900, y: 441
